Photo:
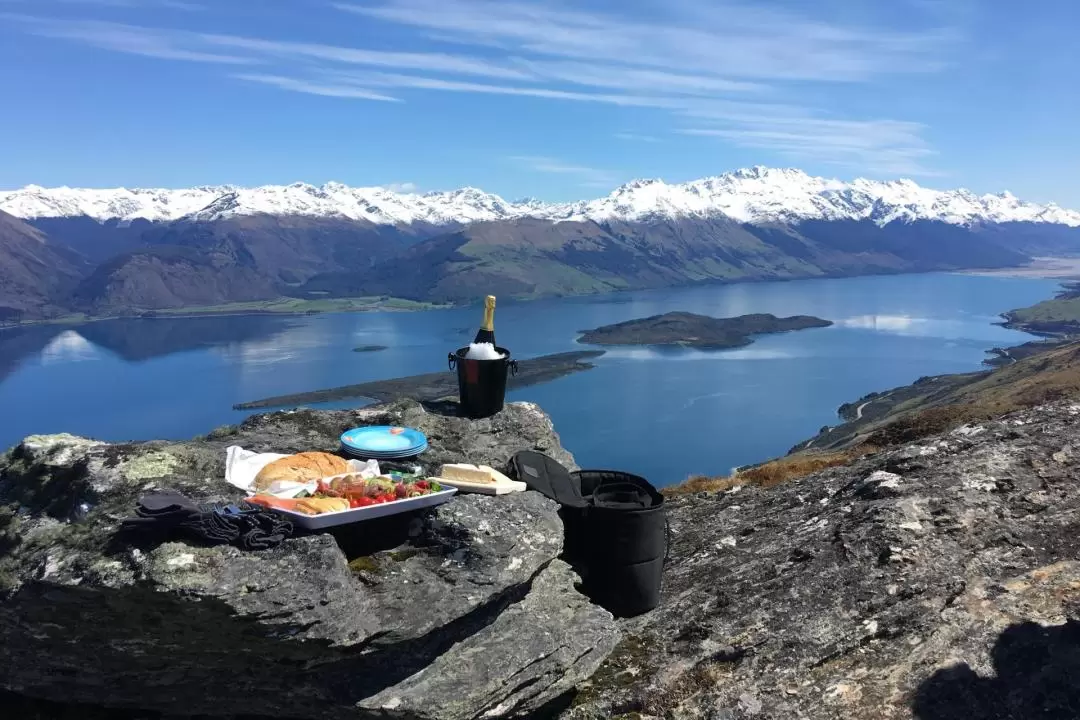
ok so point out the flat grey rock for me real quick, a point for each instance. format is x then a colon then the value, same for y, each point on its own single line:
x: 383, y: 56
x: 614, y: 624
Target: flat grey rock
x: 515, y: 665
x: 309, y: 629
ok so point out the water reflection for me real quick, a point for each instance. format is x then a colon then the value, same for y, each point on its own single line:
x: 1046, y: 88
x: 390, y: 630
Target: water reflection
x: 22, y: 343
x: 132, y: 339
x: 145, y: 338
x: 888, y: 323
x: 662, y: 353
x: 68, y: 346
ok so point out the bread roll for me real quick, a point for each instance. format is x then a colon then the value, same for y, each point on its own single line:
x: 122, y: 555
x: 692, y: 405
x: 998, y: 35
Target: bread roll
x: 303, y: 467
x: 318, y: 506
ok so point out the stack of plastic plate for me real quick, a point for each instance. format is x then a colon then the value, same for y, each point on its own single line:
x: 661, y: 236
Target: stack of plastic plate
x: 383, y: 442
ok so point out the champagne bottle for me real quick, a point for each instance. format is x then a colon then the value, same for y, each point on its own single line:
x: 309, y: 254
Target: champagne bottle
x: 486, y: 333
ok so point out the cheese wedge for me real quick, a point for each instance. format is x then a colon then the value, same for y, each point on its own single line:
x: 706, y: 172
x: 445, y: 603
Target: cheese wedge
x: 496, y: 476
x: 467, y: 473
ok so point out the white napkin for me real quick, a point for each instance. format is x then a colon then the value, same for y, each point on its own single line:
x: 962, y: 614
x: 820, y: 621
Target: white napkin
x: 241, y: 467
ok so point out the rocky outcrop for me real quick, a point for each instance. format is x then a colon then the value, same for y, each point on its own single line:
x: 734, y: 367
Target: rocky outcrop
x: 461, y: 612
x: 938, y: 580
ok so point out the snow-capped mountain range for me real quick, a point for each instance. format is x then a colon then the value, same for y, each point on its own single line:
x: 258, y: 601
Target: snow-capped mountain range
x: 754, y: 195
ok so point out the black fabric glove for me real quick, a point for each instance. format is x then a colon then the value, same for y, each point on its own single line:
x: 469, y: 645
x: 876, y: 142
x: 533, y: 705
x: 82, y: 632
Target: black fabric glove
x: 168, y: 515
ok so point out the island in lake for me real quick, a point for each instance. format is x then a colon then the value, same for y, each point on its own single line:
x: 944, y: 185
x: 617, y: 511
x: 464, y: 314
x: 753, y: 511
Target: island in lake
x: 435, y: 386
x: 699, y: 331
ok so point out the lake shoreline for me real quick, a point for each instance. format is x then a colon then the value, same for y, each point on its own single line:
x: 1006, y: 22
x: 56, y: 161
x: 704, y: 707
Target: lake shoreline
x: 635, y: 396
x: 391, y: 305
x: 880, y: 404
x: 1041, y: 268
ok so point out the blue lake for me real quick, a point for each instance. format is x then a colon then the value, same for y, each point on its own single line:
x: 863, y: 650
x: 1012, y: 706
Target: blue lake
x: 664, y: 414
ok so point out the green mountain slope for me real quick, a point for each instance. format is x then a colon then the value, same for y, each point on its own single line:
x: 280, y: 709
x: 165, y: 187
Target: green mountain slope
x: 530, y: 258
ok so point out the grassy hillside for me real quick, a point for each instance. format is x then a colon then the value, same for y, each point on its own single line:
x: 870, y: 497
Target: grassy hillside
x: 1057, y: 316
x: 531, y: 258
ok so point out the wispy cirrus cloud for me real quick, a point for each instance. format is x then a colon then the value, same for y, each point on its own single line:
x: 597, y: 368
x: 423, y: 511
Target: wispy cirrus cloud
x: 130, y: 39
x: 184, y: 5
x: 392, y: 80
x: 888, y: 145
x: 718, y: 70
x: 432, y: 62
x: 636, y: 137
x: 585, y: 176
x: 314, y: 88
x: 717, y: 38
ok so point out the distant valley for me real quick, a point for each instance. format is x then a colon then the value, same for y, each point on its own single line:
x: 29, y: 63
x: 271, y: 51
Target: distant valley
x: 131, y: 252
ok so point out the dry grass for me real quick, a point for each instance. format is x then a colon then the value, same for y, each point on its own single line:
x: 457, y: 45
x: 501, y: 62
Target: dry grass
x: 1037, y: 380
x: 772, y: 473
x: 932, y: 421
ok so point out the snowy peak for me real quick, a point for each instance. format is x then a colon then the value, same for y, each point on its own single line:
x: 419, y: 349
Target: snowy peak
x: 374, y: 204
x: 119, y: 204
x: 752, y: 195
x: 786, y: 195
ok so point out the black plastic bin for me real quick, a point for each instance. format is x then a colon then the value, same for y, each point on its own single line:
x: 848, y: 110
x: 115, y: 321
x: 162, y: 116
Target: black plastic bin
x: 482, y: 383
x: 616, y: 533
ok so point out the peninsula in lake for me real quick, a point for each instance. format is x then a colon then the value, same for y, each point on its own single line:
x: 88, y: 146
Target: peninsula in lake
x: 699, y: 331
x: 435, y: 386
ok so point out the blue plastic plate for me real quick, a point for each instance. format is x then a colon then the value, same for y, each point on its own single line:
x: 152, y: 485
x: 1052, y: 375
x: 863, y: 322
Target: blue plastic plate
x: 403, y: 455
x: 384, y: 440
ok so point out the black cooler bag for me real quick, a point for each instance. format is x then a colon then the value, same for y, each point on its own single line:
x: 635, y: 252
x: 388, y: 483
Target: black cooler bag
x: 616, y: 530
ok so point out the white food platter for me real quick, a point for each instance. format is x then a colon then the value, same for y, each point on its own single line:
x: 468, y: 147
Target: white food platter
x: 345, y: 517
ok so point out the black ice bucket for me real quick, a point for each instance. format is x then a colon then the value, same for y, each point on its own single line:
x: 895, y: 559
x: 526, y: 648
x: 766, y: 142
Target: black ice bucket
x: 482, y: 383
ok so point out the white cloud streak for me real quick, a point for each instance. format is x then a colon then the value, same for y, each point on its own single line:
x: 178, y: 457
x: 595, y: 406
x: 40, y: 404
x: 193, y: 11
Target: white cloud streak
x: 725, y: 38
x: 390, y: 80
x: 182, y: 5
x: 128, y: 39
x: 167, y: 4
x: 433, y: 62
x: 890, y: 146
x: 640, y: 79
x: 314, y: 88
x: 636, y: 137
x: 716, y: 69
x: 585, y: 176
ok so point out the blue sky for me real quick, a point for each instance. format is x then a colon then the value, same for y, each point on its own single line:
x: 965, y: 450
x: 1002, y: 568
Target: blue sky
x: 556, y: 100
